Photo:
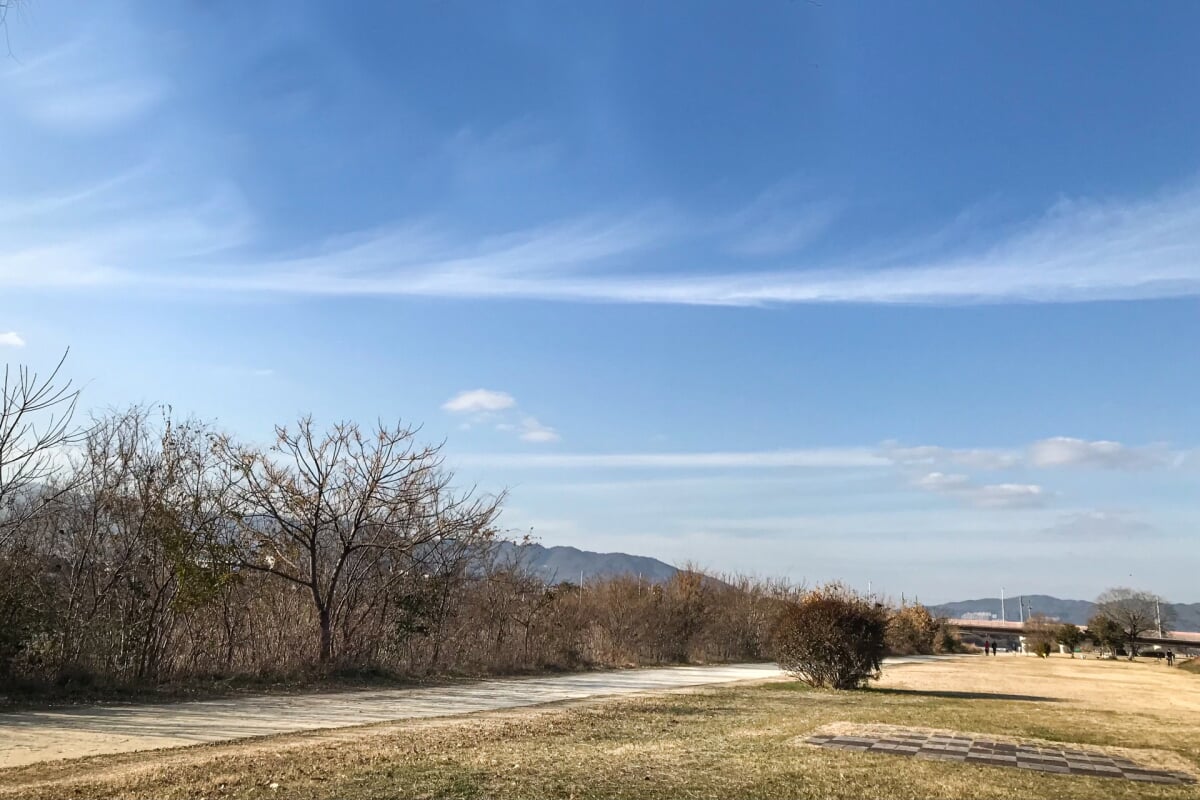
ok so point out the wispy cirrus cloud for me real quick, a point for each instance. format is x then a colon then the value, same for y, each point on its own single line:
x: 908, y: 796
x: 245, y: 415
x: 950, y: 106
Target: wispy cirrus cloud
x: 765, y: 459
x: 80, y: 87
x: 1076, y: 252
x: 924, y: 455
x: 925, y: 465
x: 119, y: 227
x: 782, y: 220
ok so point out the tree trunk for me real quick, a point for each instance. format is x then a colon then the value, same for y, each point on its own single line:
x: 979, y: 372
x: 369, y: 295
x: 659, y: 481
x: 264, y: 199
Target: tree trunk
x: 326, y: 636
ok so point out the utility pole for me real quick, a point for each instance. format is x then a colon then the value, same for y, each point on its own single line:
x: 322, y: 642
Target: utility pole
x: 1021, y: 605
x: 1158, y: 617
x: 1003, y: 616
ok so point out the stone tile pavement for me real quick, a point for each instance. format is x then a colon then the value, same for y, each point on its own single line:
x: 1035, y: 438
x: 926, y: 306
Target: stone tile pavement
x: 970, y: 749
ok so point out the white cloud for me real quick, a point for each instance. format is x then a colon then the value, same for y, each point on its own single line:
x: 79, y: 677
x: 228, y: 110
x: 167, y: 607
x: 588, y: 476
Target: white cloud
x: 1010, y: 495
x: 534, y: 431
x: 941, y: 482
x: 499, y: 410
x: 477, y: 401
x: 768, y: 459
x: 996, y: 495
x: 1064, y: 451
x: 11, y: 339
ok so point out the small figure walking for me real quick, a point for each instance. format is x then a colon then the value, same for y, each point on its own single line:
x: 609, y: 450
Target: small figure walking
x: 1170, y: 658
x: 993, y: 648
x: 986, y: 644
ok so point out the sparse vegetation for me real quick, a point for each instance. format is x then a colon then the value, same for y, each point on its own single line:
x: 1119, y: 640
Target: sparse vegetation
x: 159, y: 552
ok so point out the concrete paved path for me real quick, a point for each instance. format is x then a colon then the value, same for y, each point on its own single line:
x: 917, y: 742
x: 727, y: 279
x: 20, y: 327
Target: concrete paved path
x: 28, y: 737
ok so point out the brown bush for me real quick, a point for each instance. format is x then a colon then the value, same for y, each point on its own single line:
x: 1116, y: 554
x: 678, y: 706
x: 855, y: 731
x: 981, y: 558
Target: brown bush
x: 912, y: 630
x: 833, y: 638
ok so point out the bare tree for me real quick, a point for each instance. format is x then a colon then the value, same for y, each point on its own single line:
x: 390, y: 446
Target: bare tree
x: 1135, y: 612
x: 1041, y: 634
x: 134, y: 543
x: 5, y: 7
x: 327, y: 510
x: 35, y: 426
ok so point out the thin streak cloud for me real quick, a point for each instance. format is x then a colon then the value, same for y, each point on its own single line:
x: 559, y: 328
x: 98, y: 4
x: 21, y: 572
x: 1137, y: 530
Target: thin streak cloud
x: 1077, y: 252
x: 768, y: 459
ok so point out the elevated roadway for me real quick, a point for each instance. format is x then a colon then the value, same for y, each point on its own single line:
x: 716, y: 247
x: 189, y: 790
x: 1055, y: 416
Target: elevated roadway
x: 996, y: 627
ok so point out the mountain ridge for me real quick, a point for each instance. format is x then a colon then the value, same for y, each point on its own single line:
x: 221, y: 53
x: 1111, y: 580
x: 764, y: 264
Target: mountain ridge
x: 1187, y: 615
x: 565, y: 564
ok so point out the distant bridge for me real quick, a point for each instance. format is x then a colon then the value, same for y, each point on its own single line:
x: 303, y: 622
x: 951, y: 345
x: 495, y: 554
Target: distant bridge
x: 996, y: 627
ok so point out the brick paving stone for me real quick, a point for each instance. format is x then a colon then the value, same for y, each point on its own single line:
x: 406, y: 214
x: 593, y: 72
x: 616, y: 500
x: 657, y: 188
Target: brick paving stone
x: 967, y: 749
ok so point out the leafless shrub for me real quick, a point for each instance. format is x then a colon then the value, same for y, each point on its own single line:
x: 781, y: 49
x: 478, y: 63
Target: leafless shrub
x: 832, y: 638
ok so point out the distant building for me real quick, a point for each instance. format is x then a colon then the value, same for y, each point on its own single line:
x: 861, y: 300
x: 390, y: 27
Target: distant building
x: 981, y: 615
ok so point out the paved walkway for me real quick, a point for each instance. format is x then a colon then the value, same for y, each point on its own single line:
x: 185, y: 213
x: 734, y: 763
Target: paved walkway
x: 28, y: 737
x: 972, y: 749
x: 31, y: 736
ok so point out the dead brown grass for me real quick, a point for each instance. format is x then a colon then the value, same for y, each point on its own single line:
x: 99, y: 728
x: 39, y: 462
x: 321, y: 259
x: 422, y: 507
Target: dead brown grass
x: 735, y: 741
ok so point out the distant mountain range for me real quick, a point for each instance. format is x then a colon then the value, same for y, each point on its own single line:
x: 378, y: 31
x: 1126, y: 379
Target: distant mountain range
x: 1187, y: 615
x: 557, y: 564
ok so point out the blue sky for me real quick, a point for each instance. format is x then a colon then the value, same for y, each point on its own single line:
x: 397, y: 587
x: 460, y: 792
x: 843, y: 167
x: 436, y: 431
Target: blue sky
x: 905, y: 295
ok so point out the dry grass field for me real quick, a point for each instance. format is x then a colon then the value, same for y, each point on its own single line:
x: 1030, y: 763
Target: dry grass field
x: 740, y: 741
